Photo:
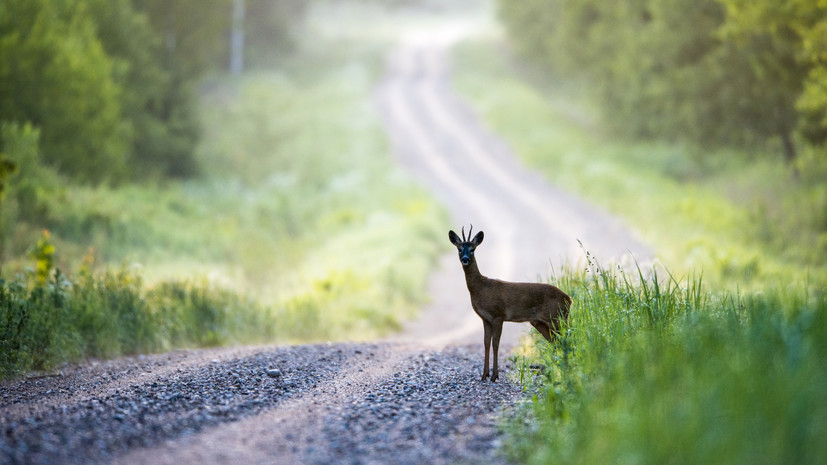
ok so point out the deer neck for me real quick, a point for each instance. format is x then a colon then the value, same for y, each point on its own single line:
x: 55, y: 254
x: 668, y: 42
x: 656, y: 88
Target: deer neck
x: 473, y: 278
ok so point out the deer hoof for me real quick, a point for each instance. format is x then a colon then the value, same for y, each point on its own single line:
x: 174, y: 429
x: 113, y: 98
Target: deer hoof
x: 494, y: 376
x: 484, y: 376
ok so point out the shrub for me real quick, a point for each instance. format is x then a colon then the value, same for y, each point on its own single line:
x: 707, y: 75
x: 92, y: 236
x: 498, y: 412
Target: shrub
x: 113, y: 314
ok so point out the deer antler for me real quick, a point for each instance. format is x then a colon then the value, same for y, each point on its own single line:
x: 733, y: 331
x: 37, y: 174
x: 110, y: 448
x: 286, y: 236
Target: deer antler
x: 469, y: 233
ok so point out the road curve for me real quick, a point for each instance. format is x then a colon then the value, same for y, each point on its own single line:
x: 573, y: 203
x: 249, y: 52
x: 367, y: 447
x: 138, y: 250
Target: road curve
x: 414, y: 399
x: 530, y: 225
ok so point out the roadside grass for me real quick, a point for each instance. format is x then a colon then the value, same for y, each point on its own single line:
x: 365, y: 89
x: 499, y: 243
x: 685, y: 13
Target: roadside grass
x: 299, y: 229
x: 661, y: 370
x: 720, y: 359
x: 739, y: 216
x: 114, y: 313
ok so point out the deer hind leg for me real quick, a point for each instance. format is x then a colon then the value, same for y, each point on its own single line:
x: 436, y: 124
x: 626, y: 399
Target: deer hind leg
x: 487, y: 341
x: 543, y: 328
x: 498, y: 331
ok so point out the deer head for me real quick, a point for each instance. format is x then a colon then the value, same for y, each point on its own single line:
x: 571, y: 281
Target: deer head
x: 465, y: 247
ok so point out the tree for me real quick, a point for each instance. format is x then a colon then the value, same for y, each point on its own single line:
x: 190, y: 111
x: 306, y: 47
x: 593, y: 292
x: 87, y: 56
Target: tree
x: 161, y: 145
x: 193, y: 40
x: 7, y: 168
x: 268, y: 27
x: 773, y: 37
x: 55, y: 74
x: 711, y: 72
x: 535, y: 28
x: 194, y: 34
x: 112, y: 84
x: 27, y: 187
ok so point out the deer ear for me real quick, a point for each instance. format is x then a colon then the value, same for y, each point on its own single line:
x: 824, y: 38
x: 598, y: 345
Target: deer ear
x: 452, y: 236
x: 477, y: 239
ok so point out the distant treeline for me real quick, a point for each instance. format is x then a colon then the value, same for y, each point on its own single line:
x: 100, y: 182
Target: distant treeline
x: 108, y: 86
x: 743, y: 73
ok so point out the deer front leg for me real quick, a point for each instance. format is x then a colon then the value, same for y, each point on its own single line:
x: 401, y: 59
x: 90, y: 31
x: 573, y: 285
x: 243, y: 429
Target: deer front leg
x: 498, y: 331
x: 487, y: 342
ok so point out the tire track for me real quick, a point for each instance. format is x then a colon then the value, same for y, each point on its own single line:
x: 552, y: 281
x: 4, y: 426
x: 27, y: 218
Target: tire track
x: 401, y: 404
x: 529, y: 224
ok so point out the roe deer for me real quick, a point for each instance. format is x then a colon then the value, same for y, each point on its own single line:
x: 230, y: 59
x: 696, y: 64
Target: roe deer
x: 495, y: 301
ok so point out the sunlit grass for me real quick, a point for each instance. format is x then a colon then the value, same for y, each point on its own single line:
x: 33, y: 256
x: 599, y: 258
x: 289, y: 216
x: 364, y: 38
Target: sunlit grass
x: 740, y: 217
x: 114, y: 313
x: 662, y: 370
x: 346, y: 217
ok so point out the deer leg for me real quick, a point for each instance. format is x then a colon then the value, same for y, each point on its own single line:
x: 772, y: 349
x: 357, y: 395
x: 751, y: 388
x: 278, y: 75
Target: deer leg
x: 542, y: 328
x: 498, y: 331
x: 487, y: 341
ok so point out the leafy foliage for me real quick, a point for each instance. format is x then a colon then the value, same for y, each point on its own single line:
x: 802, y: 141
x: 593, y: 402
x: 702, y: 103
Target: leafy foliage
x: 7, y: 168
x: 711, y: 72
x: 787, y: 45
x: 44, y: 257
x: 270, y: 29
x: 55, y: 75
x: 156, y: 105
x: 114, y: 314
x: 112, y: 84
x: 29, y: 189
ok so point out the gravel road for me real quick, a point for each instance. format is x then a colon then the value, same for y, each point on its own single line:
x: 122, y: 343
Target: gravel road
x: 529, y: 224
x: 329, y: 403
x: 413, y: 399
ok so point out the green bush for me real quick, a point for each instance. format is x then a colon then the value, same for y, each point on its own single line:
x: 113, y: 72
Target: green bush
x: 34, y: 326
x: 199, y: 314
x: 115, y: 314
x: 31, y: 187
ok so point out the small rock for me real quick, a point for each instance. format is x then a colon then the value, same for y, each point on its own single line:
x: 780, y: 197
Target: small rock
x: 273, y: 373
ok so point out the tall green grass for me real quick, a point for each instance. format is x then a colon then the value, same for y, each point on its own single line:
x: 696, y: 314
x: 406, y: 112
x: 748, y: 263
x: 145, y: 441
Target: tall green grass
x: 655, y: 369
x: 114, y: 313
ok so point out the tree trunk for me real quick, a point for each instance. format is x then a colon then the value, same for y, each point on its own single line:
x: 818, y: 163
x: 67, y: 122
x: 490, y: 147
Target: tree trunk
x: 789, y: 151
x: 237, y: 39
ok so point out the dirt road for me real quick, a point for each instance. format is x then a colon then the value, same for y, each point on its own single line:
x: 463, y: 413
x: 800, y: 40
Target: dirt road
x: 529, y: 224
x: 414, y: 399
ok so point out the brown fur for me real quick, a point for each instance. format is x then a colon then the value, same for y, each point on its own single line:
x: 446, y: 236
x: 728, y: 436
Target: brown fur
x: 496, y: 301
